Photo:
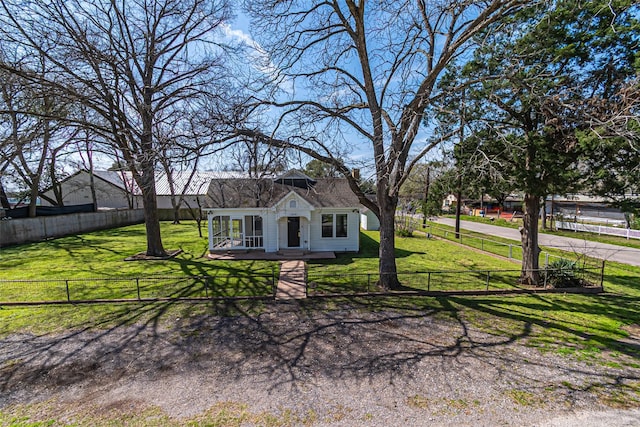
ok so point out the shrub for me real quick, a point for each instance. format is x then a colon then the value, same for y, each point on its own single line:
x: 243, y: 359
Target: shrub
x: 403, y: 232
x: 562, y: 274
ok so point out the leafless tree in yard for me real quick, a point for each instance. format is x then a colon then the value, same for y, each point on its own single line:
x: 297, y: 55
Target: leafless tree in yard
x: 128, y: 62
x: 258, y: 160
x: 367, y: 71
x: 179, y: 159
x: 34, y: 136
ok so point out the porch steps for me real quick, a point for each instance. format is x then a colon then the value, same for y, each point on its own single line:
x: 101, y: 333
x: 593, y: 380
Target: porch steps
x: 292, y: 283
x: 291, y: 253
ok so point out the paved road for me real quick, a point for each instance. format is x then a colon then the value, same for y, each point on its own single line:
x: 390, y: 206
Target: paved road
x: 599, y: 250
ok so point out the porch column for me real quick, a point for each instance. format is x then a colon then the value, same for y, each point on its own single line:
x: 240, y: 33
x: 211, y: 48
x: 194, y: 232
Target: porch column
x: 309, y: 234
x: 210, y: 229
x: 277, y: 233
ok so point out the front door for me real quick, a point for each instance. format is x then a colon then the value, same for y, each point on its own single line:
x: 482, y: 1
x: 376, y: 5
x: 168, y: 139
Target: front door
x: 293, y: 232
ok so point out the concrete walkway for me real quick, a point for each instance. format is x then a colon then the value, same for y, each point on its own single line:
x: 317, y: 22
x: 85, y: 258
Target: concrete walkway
x: 292, y: 282
x: 604, y: 251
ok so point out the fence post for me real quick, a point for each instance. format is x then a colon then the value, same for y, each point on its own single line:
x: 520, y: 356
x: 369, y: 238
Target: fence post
x: 545, y: 274
x: 274, y: 284
x: 206, y: 286
x: 138, y: 287
x: 602, y: 276
x: 428, y: 281
x: 66, y: 284
x: 546, y: 259
x: 482, y: 244
x: 488, y: 278
x: 368, y: 282
x: 510, y: 251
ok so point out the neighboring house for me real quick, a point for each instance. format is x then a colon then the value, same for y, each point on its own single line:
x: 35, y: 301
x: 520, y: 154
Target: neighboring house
x: 118, y: 189
x: 291, y: 211
x: 114, y: 190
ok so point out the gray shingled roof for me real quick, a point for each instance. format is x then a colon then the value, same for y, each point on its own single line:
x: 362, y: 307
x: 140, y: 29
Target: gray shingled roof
x: 253, y: 193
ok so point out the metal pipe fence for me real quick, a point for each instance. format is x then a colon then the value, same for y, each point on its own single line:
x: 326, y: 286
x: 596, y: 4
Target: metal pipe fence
x: 453, y: 281
x: 507, y: 250
x: 137, y: 288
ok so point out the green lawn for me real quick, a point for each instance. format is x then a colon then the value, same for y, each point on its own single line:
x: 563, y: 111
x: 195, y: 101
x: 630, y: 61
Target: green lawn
x: 423, y: 264
x: 92, y: 266
x: 590, y: 328
x: 506, y: 247
x: 587, y: 326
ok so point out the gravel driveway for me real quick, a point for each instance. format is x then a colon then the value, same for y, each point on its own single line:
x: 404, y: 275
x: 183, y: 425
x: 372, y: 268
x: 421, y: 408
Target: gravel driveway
x: 294, y: 366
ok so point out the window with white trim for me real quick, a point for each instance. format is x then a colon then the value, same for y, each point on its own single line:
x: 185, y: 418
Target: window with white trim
x: 334, y: 225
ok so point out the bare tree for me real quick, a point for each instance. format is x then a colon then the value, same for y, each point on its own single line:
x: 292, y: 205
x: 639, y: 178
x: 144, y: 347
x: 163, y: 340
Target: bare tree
x: 365, y: 72
x: 127, y: 62
x: 258, y: 160
x: 34, y: 139
x: 10, y: 123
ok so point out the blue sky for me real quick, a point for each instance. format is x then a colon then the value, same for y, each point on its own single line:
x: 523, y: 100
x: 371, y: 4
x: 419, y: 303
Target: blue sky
x: 360, y: 150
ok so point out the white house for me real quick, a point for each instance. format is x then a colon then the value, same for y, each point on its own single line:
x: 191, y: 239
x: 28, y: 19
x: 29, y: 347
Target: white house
x: 291, y: 211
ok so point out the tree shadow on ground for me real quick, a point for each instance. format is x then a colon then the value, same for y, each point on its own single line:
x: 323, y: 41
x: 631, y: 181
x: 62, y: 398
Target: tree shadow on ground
x: 276, y: 345
x: 369, y: 249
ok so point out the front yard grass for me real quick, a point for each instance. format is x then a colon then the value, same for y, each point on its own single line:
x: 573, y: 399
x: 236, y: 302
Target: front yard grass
x: 602, y: 330
x: 423, y: 264
x: 601, y: 327
x: 92, y: 266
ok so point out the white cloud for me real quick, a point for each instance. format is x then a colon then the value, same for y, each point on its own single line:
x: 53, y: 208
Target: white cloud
x: 257, y: 57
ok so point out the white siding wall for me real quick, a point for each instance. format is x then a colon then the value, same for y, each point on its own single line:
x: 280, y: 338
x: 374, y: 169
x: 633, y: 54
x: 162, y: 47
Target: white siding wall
x: 351, y: 243
x: 270, y: 234
x: 369, y: 221
x: 275, y: 232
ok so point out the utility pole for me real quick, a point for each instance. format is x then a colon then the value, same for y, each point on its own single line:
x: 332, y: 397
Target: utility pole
x: 426, y: 197
x: 459, y: 192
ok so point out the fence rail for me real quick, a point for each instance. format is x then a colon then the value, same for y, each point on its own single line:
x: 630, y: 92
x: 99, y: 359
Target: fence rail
x: 599, y: 229
x: 454, y: 280
x: 137, y: 288
x: 507, y: 250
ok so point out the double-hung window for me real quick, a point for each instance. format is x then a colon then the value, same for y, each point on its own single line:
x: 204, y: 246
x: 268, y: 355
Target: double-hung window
x: 334, y: 225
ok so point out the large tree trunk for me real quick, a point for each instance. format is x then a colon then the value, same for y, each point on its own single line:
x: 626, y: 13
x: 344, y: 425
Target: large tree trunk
x: 530, y: 250
x: 387, y: 264
x: 33, y: 196
x: 151, y: 219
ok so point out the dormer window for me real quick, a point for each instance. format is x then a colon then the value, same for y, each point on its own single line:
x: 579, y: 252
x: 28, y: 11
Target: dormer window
x: 293, y: 204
